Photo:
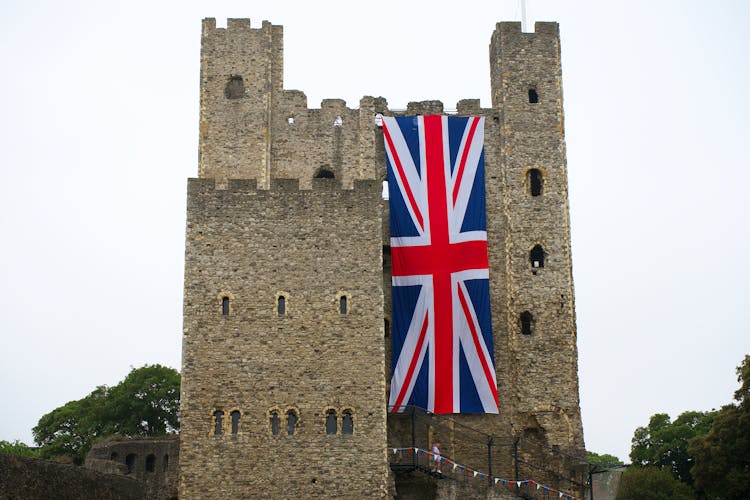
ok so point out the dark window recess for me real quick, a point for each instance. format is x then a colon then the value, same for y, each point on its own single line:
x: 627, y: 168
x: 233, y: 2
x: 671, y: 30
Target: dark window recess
x: 130, y: 462
x: 331, y: 425
x: 218, y: 421
x: 165, y: 463
x: 235, y: 88
x: 291, y: 422
x: 527, y: 323
x: 114, y: 456
x: 225, y: 306
x: 150, y: 463
x: 342, y: 305
x: 533, y: 96
x: 235, y: 421
x: 324, y: 173
x: 275, y: 423
x: 536, y: 182
x: 281, y: 305
x: 536, y: 256
x: 387, y: 327
x: 386, y: 258
x: 347, y: 422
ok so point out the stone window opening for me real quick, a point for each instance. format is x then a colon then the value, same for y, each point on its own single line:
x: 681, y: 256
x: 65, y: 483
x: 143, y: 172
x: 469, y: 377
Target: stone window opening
x: 235, y: 88
x: 290, y: 120
x: 338, y: 122
x: 275, y: 423
x: 387, y: 327
x: 535, y: 181
x: 527, y: 323
x: 130, y: 462
x: 378, y: 119
x: 347, y: 422
x: 218, y: 422
x: 387, y: 258
x: 150, y: 463
x: 165, y: 463
x: 324, y: 173
x: 281, y: 305
x: 536, y: 257
x: 235, y: 416
x: 225, y: 306
x: 291, y: 422
x: 343, y: 306
x: 533, y: 96
x: 385, y: 194
x: 331, y: 422
x: 114, y: 456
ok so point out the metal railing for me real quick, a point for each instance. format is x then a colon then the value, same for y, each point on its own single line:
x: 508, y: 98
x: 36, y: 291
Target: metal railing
x: 525, y: 466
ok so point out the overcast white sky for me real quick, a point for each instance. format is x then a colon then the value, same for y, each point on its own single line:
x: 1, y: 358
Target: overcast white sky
x: 99, y: 130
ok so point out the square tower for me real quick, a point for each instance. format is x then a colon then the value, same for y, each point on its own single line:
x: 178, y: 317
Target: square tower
x: 286, y: 348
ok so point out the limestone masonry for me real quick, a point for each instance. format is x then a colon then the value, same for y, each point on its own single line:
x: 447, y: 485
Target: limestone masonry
x: 287, y: 349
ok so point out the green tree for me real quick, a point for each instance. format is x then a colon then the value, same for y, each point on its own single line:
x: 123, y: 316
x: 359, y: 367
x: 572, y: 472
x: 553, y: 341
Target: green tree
x: 145, y: 403
x: 603, y: 460
x: 652, y: 483
x: 18, y: 448
x: 722, y: 457
x: 665, y: 443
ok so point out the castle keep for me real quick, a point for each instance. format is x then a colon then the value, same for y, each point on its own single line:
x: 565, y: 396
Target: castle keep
x: 287, y: 348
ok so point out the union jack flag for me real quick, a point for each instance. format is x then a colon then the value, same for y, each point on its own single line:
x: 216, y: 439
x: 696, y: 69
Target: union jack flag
x: 442, y: 332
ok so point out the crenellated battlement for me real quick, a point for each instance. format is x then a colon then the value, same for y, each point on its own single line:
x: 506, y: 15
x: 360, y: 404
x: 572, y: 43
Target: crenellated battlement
x: 234, y: 25
x: 198, y: 185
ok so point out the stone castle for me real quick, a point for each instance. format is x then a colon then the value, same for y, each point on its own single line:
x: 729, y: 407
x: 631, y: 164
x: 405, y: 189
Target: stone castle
x: 287, y: 348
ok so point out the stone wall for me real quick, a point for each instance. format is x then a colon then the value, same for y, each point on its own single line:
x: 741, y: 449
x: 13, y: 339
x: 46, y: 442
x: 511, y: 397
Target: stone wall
x: 154, y: 462
x: 32, y: 479
x: 254, y: 237
x: 311, y: 248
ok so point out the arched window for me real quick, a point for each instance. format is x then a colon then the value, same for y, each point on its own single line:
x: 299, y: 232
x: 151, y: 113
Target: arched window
x: 331, y: 424
x: 218, y: 421
x: 150, y: 463
x: 225, y: 306
x: 275, y: 423
x: 235, y: 421
x: 165, y: 463
x: 527, y: 323
x: 343, y: 305
x: 536, y: 256
x: 235, y: 88
x: 281, y: 305
x: 347, y: 422
x: 114, y: 456
x: 535, y: 181
x: 130, y: 462
x: 533, y: 96
x: 291, y: 422
x: 338, y: 122
x: 324, y: 173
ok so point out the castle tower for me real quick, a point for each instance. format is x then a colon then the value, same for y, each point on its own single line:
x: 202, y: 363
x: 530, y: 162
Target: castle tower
x: 283, y: 354
x: 535, y: 297
x: 286, y: 354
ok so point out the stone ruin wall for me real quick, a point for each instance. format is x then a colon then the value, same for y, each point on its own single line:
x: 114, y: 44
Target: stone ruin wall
x: 153, y: 462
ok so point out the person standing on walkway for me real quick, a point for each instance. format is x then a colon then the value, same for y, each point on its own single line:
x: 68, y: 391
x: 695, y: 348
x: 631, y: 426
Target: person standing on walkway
x: 436, y: 456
